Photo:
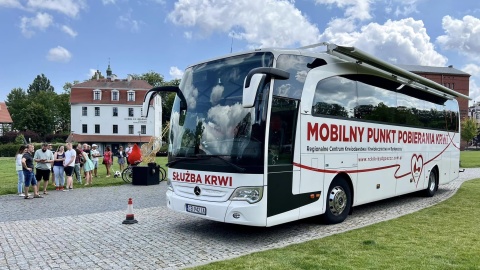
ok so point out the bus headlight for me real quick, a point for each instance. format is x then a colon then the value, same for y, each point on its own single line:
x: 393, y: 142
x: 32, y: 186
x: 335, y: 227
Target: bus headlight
x: 169, y: 184
x: 249, y: 194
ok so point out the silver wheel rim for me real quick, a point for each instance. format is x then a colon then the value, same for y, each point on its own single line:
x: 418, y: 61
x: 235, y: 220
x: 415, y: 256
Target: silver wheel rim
x: 431, y: 182
x: 337, y: 200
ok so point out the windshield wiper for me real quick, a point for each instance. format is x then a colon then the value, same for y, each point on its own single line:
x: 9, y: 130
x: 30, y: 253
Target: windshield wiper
x: 239, y: 169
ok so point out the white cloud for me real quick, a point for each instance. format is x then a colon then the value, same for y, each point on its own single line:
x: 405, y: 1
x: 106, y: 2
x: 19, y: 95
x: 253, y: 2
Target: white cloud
x: 69, y: 31
x: 354, y: 9
x: 474, y: 91
x: 401, y: 7
x: 462, y: 35
x: 176, y: 73
x: 188, y: 35
x: 404, y: 42
x: 10, y: 3
x: 262, y: 23
x: 59, y: 54
x: 91, y: 72
x: 41, y: 22
x: 126, y: 22
x: 68, y: 7
x: 107, y: 2
x: 472, y: 69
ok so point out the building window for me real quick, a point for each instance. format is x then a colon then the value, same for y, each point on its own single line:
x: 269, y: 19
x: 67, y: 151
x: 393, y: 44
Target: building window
x: 97, y: 111
x: 130, y: 112
x: 97, y: 95
x: 131, y: 96
x: 130, y: 129
x: 115, y: 111
x: 115, y: 95
x: 143, y: 129
x: 84, y: 128
x: 97, y: 129
x: 115, y: 129
x: 84, y: 111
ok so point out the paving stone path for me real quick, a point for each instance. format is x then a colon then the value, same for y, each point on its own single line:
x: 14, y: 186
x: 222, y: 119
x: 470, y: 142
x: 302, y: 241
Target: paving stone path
x: 83, y: 229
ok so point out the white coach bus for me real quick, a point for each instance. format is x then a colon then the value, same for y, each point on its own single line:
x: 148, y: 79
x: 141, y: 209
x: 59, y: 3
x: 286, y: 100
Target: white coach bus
x: 273, y: 135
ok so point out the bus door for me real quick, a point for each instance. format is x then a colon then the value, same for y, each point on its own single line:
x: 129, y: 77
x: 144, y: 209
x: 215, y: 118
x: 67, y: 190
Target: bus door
x: 282, y: 177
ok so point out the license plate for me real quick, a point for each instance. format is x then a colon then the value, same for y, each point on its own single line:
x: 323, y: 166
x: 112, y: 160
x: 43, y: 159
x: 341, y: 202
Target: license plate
x: 196, y: 209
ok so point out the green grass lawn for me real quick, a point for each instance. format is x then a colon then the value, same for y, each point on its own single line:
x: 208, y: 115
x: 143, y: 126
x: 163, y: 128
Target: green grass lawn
x: 445, y: 236
x: 8, y: 176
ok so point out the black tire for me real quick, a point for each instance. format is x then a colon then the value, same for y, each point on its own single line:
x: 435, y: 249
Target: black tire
x: 432, y: 184
x: 127, y: 175
x: 338, y: 201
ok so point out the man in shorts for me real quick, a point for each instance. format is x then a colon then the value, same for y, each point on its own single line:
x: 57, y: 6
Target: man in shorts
x: 44, y: 159
x: 27, y: 165
x: 95, y: 154
x: 69, y: 165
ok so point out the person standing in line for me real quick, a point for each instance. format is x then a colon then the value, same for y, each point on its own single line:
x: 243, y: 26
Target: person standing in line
x: 69, y: 165
x: 27, y: 165
x: 44, y: 159
x: 95, y: 154
x: 108, y: 159
x: 128, y: 150
x: 50, y: 148
x: 18, y: 165
x: 58, y: 168
x: 85, y: 149
x: 78, y: 166
x: 121, y: 158
x: 87, y: 168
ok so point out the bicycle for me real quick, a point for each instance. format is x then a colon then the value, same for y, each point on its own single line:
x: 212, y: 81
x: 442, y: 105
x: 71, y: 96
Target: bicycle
x: 127, y: 173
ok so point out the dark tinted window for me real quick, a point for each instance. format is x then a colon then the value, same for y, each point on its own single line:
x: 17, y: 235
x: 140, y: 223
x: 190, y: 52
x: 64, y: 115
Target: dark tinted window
x: 335, y: 96
x: 378, y: 99
x: 298, y: 66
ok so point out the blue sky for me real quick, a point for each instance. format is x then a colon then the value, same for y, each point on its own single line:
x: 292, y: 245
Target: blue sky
x: 68, y: 40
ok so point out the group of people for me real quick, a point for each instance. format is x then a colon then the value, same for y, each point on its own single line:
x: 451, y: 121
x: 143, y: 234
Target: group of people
x: 60, y: 163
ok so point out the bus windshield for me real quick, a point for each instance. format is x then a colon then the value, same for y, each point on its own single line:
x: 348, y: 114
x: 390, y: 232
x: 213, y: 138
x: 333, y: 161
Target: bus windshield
x: 215, y: 124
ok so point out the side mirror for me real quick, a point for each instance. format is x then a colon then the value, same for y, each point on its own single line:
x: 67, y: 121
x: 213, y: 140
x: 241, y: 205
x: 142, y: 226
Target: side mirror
x: 154, y: 91
x: 255, y: 79
x: 250, y: 91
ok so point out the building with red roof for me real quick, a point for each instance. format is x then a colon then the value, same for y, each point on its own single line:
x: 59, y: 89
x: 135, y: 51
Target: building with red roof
x: 5, y: 119
x: 109, y: 112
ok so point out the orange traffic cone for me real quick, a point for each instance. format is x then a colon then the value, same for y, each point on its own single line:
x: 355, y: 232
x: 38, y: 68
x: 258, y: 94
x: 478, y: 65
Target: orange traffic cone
x: 130, y: 219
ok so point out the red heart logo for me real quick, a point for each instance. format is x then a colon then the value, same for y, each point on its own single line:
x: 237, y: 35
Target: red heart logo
x: 416, y: 167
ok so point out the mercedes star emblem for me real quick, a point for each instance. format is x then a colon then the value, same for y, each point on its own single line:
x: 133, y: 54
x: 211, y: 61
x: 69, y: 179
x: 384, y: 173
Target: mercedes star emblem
x: 197, y: 191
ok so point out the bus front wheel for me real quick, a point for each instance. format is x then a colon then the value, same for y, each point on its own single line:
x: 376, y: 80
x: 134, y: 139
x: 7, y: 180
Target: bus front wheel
x: 339, y: 201
x: 432, y: 184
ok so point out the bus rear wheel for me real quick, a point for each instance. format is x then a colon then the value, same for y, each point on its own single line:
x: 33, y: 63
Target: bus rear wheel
x: 338, y: 201
x: 432, y: 184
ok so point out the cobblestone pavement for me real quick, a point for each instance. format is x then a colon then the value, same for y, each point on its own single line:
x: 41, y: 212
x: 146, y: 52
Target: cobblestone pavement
x: 83, y: 229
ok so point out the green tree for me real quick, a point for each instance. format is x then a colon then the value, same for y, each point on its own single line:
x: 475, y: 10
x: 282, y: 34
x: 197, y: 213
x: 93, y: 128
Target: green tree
x: 469, y: 129
x: 153, y: 78
x: 39, y: 84
x: 67, y: 87
x: 16, y: 101
x: 39, y: 118
x: 94, y: 77
x: 62, y: 116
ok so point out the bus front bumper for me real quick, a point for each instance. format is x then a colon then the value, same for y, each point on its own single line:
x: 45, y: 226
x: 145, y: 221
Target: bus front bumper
x: 235, y: 212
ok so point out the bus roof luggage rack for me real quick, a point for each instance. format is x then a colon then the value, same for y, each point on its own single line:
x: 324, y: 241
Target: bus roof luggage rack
x: 402, y: 75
